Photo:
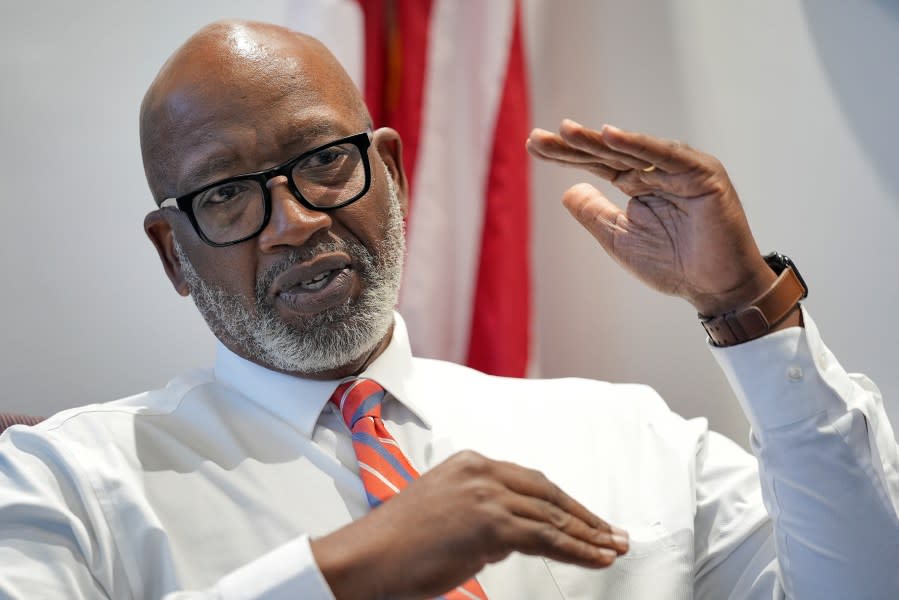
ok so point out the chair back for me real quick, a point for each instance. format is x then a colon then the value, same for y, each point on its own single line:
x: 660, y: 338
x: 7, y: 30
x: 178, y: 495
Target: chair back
x: 8, y: 419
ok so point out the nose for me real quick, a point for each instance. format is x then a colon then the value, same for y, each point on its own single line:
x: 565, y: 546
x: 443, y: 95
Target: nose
x: 291, y: 223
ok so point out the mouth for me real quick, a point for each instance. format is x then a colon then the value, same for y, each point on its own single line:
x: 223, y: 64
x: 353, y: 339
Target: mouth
x: 315, y: 285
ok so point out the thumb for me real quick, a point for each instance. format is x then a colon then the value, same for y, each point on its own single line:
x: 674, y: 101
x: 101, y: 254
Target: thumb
x: 599, y: 215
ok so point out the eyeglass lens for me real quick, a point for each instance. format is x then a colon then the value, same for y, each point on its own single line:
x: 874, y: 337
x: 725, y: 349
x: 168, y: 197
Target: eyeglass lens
x: 235, y: 209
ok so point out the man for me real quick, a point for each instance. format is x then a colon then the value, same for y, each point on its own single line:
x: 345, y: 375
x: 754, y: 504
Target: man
x: 281, y: 214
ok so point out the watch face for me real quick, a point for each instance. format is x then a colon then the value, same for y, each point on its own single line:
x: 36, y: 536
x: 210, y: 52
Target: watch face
x: 777, y: 261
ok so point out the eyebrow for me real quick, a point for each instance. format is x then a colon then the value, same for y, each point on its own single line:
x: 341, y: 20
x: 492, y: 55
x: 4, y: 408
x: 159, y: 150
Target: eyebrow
x: 308, y: 131
x: 202, y: 175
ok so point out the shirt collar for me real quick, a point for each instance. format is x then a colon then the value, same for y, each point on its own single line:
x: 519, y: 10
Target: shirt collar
x: 300, y: 401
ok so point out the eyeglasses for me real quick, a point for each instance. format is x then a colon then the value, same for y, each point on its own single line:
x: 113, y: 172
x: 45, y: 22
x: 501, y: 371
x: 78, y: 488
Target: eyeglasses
x: 236, y: 209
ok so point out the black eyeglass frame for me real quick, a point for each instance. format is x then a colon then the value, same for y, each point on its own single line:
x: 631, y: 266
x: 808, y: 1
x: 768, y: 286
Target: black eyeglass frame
x: 362, y: 141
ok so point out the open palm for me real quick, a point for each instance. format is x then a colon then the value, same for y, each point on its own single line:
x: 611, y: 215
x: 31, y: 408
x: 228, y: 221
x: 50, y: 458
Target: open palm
x: 683, y: 230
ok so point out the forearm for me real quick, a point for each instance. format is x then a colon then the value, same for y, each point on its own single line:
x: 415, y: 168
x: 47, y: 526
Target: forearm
x: 827, y: 465
x: 59, y: 540
x: 33, y: 569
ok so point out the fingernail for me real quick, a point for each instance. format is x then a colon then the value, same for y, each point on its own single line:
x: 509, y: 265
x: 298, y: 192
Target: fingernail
x: 619, y: 531
x: 610, y: 554
x: 571, y: 122
x: 620, y: 540
x: 611, y: 128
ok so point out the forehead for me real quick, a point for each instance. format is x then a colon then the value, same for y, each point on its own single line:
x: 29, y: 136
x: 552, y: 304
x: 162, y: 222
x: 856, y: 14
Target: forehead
x: 225, y: 148
x: 250, y: 109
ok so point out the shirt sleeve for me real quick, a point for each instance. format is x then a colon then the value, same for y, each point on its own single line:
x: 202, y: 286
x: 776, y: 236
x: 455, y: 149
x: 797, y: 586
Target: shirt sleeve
x: 56, y: 541
x: 829, y: 473
x: 286, y: 573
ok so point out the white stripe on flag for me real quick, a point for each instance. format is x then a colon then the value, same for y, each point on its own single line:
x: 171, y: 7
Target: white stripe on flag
x: 374, y: 472
x: 468, y: 49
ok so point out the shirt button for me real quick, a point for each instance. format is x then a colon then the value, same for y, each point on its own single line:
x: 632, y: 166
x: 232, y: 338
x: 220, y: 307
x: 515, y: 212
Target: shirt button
x: 794, y: 373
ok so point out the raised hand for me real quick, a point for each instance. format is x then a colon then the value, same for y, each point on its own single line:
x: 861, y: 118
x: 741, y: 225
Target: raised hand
x: 683, y: 230
x: 446, y: 526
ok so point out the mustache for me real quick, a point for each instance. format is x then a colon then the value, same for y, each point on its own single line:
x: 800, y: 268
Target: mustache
x: 264, y: 281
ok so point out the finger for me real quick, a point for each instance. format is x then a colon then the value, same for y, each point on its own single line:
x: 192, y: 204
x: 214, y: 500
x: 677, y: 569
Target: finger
x: 669, y: 155
x: 596, y: 213
x: 542, y: 539
x: 640, y: 183
x: 529, y: 482
x: 556, y: 150
x: 599, y: 170
x: 537, y: 509
x: 543, y: 144
x: 574, y: 158
x: 549, y: 145
x: 592, y: 142
x: 680, y: 189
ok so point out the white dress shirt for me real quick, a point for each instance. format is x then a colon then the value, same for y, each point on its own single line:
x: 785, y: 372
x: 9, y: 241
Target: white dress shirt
x: 213, y: 486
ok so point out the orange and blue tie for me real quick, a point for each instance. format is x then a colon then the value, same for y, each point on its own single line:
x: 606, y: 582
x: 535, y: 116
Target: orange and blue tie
x: 384, y: 469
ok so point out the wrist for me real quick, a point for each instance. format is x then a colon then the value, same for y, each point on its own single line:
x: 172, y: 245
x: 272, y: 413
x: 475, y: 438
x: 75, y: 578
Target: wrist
x: 346, y: 562
x: 774, y: 309
x: 718, y: 304
x: 793, y: 319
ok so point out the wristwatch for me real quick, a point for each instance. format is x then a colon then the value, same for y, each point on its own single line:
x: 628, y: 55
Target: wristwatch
x: 763, y: 313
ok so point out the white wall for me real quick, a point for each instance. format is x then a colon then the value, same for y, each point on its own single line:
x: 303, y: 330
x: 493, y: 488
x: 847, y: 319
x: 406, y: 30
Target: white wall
x: 88, y: 313
x: 797, y: 99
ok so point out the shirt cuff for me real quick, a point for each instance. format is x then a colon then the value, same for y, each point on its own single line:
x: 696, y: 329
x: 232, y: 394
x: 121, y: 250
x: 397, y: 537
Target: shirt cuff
x: 286, y: 573
x: 784, y: 377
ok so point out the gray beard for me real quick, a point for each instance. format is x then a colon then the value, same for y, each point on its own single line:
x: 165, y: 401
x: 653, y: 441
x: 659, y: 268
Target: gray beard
x: 325, y: 341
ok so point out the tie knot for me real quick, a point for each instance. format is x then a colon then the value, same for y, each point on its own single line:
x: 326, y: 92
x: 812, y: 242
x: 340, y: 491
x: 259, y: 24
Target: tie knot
x: 358, y: 398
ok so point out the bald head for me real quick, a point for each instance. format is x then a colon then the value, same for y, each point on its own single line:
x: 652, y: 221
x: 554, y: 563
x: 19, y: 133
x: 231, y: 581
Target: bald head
x: 233, y: 84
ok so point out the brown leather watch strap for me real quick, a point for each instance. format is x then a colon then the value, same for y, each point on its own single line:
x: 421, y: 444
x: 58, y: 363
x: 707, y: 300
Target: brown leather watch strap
x: 760, y: 316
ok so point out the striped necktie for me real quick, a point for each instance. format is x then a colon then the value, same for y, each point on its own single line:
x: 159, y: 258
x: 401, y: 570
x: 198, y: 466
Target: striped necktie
x: 384, y: 469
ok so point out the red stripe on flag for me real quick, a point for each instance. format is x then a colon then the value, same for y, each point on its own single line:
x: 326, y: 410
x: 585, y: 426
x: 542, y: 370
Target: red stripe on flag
x: 396, y: 55
x: 500, y: 328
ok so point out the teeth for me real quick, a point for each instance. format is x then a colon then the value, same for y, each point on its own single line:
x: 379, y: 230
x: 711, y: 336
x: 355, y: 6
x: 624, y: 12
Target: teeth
x: 317, y: 282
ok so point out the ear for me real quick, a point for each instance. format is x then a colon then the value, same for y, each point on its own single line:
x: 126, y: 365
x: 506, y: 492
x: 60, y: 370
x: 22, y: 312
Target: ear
x: 159, y: 230
x: 389, y: 146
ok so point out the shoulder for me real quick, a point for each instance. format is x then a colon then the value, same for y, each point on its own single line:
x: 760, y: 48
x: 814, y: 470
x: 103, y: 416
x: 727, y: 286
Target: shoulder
x: 101, y: 450
x: 92, y: 423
